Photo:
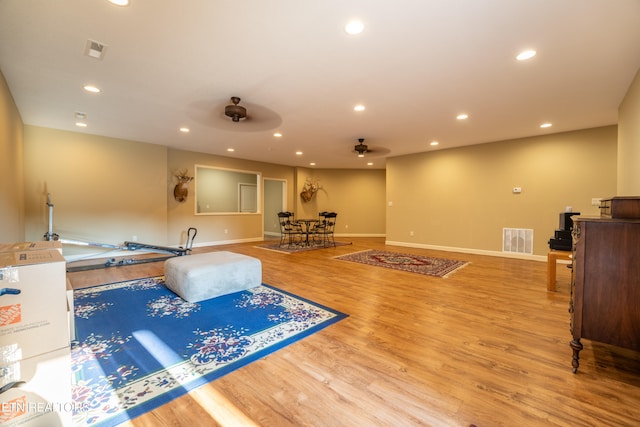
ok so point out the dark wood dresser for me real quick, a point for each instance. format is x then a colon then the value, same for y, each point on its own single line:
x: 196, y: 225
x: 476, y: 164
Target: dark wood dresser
x: 605, y: 285
x: 620, y: 207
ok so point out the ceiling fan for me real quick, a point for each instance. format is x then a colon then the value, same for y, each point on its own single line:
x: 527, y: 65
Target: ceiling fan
x: 247, y: 117
x: 361, y: 148
x: 235, y: 111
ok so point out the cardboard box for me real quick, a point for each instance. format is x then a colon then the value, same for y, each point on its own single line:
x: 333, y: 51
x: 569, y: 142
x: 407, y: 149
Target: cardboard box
x: 31, y: 246
x: 71, y: 311
x: 33, y: 320
x: 42, y: 395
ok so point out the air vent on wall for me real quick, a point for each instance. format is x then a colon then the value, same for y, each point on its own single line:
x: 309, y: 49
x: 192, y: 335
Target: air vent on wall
x: 517, y: 240
x: 95, y: 49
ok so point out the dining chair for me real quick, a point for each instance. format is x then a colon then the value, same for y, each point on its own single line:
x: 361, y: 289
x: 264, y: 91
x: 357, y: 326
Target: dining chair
x: 325, y: 228
x: 318, y: 227
x: 290, y: 231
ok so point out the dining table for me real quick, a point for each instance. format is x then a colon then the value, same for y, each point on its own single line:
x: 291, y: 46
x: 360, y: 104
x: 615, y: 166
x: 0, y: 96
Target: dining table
x: 308, y: 226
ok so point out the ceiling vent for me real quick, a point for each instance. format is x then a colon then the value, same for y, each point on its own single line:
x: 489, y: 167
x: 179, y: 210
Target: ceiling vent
x: 95, y: 49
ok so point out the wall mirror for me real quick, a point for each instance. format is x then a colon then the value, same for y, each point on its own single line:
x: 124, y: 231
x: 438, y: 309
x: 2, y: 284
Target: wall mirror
x: 226, y: 191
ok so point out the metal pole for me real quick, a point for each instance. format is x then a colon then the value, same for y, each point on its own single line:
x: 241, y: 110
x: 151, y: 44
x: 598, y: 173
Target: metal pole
x: 49, y: 235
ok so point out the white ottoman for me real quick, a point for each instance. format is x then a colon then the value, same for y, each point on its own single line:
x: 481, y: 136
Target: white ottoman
x: 203, y: 276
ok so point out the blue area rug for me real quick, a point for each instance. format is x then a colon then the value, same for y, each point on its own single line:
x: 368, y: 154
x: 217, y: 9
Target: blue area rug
x: 140, y: 346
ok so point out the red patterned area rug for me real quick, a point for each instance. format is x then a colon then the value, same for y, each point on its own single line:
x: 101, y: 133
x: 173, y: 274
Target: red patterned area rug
x: 437, y: 267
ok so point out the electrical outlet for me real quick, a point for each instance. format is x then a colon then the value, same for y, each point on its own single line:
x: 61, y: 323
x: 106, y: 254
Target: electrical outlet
x: 411, y: 233
x: 595, y: 201
x: 134, y: 238
x: 517, y: 190
x: 226, y: 231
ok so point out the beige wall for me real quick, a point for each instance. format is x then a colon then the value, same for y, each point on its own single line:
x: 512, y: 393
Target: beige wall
x: 358, y: 196
x: 462, y: 198
x: 103, y: 189
x: 107, y: 190
x: 11, y: 169
x: 211, y: 228
x: 629, y: 141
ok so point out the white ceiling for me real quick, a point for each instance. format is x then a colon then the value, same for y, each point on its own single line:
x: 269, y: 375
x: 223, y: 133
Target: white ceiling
x: 417, y: 65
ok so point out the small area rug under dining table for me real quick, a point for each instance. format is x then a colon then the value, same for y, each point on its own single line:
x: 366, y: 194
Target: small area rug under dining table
x: 292, y: 249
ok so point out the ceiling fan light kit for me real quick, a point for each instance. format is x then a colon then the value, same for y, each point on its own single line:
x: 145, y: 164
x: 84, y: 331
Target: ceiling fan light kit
x: 361, y: 148
x: 235, y: 111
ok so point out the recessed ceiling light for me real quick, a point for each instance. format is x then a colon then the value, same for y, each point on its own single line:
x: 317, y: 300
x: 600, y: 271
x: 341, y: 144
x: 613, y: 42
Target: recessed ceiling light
x: 277, y: 135
x: 370, y: 164
x: 119, y: 2
x: 184, y: 130
x: 298, y: 153
x: 312, y: 164
x: 91, y: 88
x: 359, y: 107
x: 231, y: 150
x: 434, y: 143
x: 462, y: 116
x: 81, y: 125
x: 526, y: 54
x: 546, y: 125
x: 354, y: 27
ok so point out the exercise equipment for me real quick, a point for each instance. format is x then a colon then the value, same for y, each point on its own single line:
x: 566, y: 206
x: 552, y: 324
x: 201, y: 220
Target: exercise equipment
x: 126, y: 246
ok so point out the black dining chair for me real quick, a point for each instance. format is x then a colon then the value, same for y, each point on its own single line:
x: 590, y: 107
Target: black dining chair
x: 325, y: 228
x: 291, y: 233
x: 318, y: 227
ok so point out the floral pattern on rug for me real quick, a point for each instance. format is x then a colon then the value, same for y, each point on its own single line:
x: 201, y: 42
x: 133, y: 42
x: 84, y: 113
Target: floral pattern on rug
x: 219, y: 346
x: 96, y: 347
x: 168, y: 305
x: 437, y: 267
x: 111, y: 366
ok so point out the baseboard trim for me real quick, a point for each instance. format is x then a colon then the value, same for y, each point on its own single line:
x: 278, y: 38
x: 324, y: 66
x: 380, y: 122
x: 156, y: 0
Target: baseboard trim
x: 469, y: 251
x: 358, y: 235
x: 228, y: 242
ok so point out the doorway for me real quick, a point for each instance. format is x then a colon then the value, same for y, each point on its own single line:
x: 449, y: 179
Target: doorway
x: 275, y: 200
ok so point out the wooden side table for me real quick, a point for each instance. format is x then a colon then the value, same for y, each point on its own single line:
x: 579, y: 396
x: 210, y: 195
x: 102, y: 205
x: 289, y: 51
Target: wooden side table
x: 552, y: 257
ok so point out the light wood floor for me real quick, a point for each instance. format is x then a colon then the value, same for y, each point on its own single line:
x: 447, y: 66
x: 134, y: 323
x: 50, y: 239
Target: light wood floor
x: 486, y: 346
